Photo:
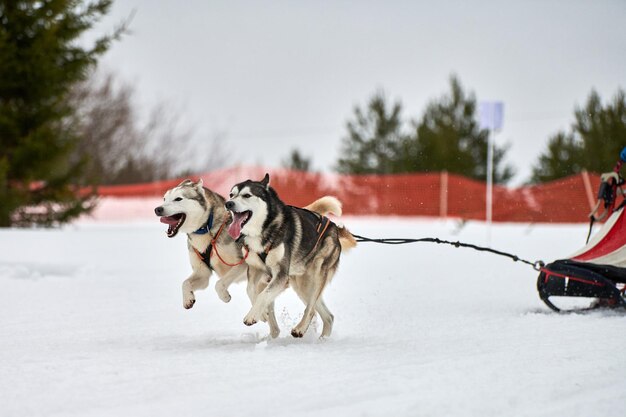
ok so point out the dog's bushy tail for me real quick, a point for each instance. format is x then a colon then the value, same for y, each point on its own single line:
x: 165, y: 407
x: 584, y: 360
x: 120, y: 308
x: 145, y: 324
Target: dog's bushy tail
x: 331, y: 205
x: 325, y: 206
x: 346, y: 240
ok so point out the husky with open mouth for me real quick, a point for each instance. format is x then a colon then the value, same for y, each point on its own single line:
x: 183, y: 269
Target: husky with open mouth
x: 199, y: 212
x: 288, y: 245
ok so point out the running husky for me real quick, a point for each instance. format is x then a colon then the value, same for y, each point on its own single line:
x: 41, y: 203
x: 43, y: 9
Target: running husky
x: 289, y: 246
x: 193, y: 209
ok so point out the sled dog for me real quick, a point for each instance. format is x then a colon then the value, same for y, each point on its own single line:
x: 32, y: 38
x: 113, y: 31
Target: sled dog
x: 199, y: 212
x: 287, y: 246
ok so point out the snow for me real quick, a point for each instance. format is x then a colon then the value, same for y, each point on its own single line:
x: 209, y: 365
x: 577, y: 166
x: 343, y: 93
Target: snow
x: 92, y: 324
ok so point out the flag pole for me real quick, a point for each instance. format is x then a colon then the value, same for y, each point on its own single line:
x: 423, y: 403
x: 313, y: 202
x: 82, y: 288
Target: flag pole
x: 489, y: 196
x: 491, y: 115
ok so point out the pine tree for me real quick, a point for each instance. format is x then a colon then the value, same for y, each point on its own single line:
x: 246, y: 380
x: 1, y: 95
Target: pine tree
x: 594, y: 143
x: 449, y: 138
x: 562, y: 158
x: 40, y: 60
x: 297, y: 162
x: 446, y: 138
x: 374, y: 139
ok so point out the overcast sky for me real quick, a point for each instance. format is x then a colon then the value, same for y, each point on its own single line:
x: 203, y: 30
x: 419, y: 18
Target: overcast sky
x: 273, y: 75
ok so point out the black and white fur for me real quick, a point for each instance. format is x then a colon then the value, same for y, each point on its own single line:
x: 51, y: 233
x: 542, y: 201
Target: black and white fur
x: 286, y: 246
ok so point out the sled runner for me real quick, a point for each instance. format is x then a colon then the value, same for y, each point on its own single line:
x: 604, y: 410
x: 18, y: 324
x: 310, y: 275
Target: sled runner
x: 598, y: 270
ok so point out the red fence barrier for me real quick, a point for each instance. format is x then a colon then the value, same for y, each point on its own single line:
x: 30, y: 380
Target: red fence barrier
x: 567, y: 200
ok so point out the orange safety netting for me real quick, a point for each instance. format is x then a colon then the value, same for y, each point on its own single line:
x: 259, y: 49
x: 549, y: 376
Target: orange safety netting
x: 566, y: 200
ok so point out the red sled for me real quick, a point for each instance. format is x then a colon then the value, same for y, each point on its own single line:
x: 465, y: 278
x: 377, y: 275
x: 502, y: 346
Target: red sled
x: 598, y: 270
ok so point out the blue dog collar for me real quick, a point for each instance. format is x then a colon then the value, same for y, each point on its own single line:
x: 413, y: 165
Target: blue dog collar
x: 207, y: 227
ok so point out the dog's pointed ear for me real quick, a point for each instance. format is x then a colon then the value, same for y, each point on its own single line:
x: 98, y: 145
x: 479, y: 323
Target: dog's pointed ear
x: 186, y: 182
x: 200, y: 187
x: 266, y: 181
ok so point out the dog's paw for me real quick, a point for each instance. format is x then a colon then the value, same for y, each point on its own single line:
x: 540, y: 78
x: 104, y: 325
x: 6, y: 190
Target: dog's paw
x: 251, y: 318
x: 249, y: 321
x: 295, y: 332
x: 189, y: 301
x: 223, y: 294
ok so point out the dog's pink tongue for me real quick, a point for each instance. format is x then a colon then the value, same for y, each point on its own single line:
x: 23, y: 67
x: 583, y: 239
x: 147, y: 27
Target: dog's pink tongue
x: 169, y: 220
x: 234, y: 230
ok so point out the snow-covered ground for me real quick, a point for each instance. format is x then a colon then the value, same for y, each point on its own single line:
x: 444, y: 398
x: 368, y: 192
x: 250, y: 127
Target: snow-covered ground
x: 92, y: 324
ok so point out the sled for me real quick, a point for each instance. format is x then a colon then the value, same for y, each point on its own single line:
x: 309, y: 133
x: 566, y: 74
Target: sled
x: 598, y: 270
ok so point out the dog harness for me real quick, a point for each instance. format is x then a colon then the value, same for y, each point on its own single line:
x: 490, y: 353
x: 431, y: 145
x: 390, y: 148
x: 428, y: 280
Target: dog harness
x: 320, y: 234
x: 321, y: 229
x: 206, y: 255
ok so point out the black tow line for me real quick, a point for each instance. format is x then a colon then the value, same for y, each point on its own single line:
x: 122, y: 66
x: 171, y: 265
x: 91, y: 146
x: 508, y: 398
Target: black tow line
x: 537, y: 265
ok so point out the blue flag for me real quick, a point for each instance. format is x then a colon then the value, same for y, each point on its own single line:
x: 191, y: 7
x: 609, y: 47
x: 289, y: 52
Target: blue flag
x: 491, y: 115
